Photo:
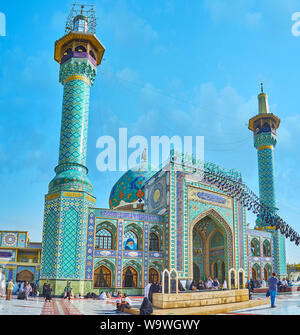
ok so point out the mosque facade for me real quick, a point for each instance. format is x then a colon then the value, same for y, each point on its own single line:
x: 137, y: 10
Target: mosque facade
x: 173, y: 218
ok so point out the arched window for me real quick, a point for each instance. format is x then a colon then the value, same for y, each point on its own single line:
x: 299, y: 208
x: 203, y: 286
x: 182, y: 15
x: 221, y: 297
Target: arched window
x: 232, y: 279
x: 266, y: 248
x: 154, y: 242
x: 92, y: 54
x: 196, y: 272
x: 256, y: 271
x: 216, y: 272
x: 131, y: 241
x: 103, y: 239
x: 255, y: 250
x: 25, y: 275
x: 130, y: 277
x: 153, y: 275
x: 102, y: 277
x: 67, y: 52
x: 241, y: 279
x: 223, y: 271
x: 217, y: 240
x: 80, y: 48
x: 266, y: 127
x: 267, y: 271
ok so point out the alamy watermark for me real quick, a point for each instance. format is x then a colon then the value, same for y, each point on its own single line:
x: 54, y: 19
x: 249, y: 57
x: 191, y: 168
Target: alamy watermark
x: 115, y: 156
x: 296, y: 25
x: 2, y: 24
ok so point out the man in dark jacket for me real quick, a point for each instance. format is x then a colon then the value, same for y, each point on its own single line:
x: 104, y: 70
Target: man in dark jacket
x: 273, y: 288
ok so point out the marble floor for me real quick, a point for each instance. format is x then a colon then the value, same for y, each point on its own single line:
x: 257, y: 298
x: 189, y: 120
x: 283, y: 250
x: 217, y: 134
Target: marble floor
x: 287, y: 304
x: 59, y: 306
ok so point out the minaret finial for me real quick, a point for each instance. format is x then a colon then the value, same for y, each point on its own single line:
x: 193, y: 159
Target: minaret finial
x: 262, y: 87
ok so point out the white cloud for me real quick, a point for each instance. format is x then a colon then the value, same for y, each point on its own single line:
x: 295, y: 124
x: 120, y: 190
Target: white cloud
x: 234, y: 11
x: 253, y: 19
x: 127, y: 74
x: 128, y: 29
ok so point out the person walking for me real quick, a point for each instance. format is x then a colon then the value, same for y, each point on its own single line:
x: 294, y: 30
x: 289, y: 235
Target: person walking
x: 3, y: 287
x: 28, y: 290
x: 68, y: 291
x: 273, y: 289
x: 47, y: 292
x: 10, y: 287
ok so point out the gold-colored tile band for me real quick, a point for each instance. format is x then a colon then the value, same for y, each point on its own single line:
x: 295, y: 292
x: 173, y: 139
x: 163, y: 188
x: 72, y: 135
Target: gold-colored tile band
x: 265, y: 147
x: 78, y: 77
x: 90, y: 198
x: 265, y: 228
x: 72, y: 194
x: 52, y: 196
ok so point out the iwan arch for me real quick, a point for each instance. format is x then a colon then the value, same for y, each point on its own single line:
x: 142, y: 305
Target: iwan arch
x: 210, y: 246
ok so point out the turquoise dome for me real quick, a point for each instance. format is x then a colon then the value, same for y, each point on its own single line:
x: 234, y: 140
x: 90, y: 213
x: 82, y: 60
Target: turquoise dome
x: 129, y: 188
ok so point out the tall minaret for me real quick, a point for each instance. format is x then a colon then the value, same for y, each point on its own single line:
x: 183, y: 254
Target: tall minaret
x: 264, y: 126
x: 65, y: 239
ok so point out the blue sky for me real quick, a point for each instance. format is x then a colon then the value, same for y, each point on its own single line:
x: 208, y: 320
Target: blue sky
x: 171, y: 68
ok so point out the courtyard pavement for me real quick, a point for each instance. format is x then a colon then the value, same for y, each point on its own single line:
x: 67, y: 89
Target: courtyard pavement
x: 287, y: 304
x: 59, y: 306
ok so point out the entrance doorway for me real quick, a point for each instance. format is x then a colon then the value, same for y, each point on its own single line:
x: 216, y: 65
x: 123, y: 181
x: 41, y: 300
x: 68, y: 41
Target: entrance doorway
x: 130, y: 277
x: 25, y: 275
x: 209, y: 249
x: 153, y: 276
x: 196, y: 272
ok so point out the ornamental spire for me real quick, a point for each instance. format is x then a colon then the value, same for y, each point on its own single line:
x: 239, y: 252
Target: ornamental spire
x: 263, y: 105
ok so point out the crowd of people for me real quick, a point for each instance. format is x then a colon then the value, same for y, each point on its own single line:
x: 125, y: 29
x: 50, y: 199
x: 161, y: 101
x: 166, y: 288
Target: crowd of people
x: 22, y: 289
x: 146, y: 307
x: 209, y: 284
x: 281, y: 284
x: 25, y: 289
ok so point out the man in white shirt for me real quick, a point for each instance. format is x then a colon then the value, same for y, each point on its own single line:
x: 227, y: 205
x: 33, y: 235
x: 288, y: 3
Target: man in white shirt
x: 284, y: 284
x: 128, y: 300
x: 125, y: 302
x: 103, y: 296
x: 209, y: 283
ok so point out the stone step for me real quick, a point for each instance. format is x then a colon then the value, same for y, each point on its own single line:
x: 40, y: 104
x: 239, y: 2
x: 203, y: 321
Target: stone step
x: 205, y: 310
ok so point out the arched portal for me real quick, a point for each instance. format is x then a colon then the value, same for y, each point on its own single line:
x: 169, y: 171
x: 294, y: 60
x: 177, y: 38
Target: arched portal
x: 254, y: 274
x: 153, y: 275
x: 102, y: 277
x: 267, y: 271
x: 25, y: 275
x: 211, y: 246
x: 196, y: 272
x: 130, y: 277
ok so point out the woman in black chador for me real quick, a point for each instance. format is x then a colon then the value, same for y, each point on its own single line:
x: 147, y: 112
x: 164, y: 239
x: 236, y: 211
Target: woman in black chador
x: 153, y: 289
x: 146, y: 307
